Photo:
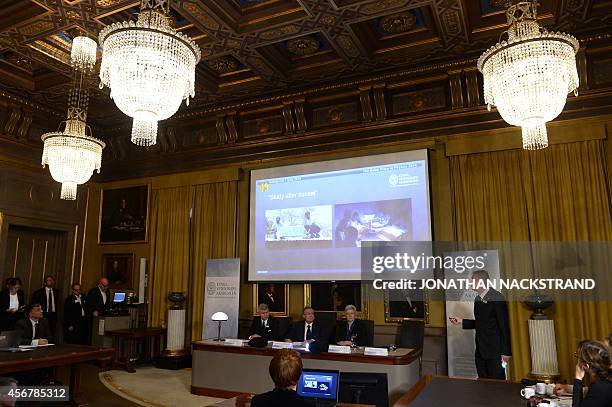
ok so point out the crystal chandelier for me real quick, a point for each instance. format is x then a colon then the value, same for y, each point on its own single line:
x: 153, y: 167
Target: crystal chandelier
x: 528, y: 76
x: 149, y: 68
x: 72, y: 154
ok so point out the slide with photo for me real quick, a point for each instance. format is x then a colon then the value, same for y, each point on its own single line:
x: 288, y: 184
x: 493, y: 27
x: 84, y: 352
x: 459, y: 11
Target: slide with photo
x: 307, y: 221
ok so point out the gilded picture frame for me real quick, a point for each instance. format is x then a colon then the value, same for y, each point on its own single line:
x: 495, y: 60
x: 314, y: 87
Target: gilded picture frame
x: 278, y: 301
x: 341, y: 287
x: 406, y: 305
x: 124, y: 214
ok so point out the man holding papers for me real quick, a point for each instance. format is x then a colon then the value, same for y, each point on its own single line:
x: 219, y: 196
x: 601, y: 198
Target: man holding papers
x: 34, y: 329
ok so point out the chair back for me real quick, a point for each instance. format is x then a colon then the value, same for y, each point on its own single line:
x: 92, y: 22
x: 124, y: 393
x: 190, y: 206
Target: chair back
x: 412, y: 334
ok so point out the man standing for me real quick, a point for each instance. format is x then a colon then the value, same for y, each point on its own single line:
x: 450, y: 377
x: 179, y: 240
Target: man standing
x: 98, y: 298
x: 33, y: 329
x: 75, y: 319
x: 308, y: 329
x: 47, y: 297
x: 492, y: 328
x: 265, y: 325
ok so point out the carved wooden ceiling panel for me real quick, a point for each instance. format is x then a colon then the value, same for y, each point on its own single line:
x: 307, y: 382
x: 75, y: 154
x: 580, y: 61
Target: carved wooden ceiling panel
x: 253, y: 47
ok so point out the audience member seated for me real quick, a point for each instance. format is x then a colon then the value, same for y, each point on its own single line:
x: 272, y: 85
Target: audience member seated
x: 12, y: 303
x: 265, y: 326
x: 34, y: 329
x: 351, y: 331
x: 5, y: 399
x: 308, y: 329
x: 594, y: 363
x: 285, y: 371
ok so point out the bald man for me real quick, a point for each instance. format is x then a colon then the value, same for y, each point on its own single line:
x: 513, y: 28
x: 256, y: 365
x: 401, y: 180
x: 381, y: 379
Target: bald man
x: 98, y: 298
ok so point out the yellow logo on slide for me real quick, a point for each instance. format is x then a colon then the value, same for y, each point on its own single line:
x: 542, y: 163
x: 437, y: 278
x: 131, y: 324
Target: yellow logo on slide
x: 264, y: 186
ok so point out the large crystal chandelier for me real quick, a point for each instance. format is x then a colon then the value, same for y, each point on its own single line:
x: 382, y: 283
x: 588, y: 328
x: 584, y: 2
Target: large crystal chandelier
x: 72, y: 154
x: 528, y: 76
x: 149, y: 68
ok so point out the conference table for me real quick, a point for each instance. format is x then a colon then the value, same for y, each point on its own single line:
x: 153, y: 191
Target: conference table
x: 54, y: 356
x: 446, y: 391
x: 245, y: 401
x: 225, y: 371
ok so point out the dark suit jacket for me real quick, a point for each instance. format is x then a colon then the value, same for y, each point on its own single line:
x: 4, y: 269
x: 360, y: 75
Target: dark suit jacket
x: 95, y: 303
x: 40, y: 296
x: 599, y: 395
x: 319, y: 332
x: 23, y: 327
x: 357, y: 329
x: 72, y: 311
x: 272, y: 333
x: 281, y: 398
x: 492, y: 326
x: 7, y: 319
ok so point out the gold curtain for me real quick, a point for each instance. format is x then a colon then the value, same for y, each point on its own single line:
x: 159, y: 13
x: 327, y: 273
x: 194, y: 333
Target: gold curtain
x: 560, y: 193
x: 213, y: 236
x: 169, y: 248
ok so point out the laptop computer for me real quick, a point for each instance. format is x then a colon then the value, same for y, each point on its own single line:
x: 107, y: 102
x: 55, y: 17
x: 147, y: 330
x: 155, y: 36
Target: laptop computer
x: 320, y: 385
x: 8, y: 340
x: 118, y: 297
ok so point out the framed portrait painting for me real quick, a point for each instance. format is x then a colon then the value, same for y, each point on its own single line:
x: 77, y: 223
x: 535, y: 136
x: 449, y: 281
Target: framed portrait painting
x: 124, y: 215
x: 333, y: 297
x: 403, y: 305
x: 274, y: 295
x: 119, y: 270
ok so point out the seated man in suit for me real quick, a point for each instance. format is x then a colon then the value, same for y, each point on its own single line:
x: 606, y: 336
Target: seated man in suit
x: 285, y: 371
x: 308, y: 330
x: 351, y: 331
x: 265, y: 325
x: 34, y: 329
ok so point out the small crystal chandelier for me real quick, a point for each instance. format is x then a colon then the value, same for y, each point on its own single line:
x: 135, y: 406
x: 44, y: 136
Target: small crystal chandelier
x: 149, y: 68
x: 528, y: 76
x: 72, y: 154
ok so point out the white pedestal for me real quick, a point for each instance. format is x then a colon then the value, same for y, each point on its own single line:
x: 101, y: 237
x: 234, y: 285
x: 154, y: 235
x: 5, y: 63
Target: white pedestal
x: 543, y: 348
x: 176, y: 330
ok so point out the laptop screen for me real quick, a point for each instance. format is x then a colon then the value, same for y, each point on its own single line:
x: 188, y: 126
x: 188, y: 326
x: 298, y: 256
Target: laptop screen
x: 119, y: 297
x: 321, y: 384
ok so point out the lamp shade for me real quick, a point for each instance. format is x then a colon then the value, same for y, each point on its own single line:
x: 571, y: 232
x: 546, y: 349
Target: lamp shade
x: 219, y: 316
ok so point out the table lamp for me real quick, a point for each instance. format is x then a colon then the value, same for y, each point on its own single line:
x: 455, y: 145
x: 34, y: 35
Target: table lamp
x: 219, y: 317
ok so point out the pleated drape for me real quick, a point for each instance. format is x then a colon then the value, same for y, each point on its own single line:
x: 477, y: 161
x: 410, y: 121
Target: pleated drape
x: 560, y: 193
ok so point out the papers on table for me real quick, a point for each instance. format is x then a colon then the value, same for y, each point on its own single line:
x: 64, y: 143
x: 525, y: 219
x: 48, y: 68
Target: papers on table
x: 15, y: 349
x: 30, y: 347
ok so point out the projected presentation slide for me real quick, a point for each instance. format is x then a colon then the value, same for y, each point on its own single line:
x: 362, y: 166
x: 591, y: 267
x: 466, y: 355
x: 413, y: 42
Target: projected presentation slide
x: 308, y: 221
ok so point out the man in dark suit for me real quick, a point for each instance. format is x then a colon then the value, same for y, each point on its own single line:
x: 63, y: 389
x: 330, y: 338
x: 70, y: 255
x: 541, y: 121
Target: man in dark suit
x: 76, y: 325
x: 12, y: 304
x: 285, y: 371
x: 308, y: 329
x: 34, y: 329
x: 492, y: 328
x: 98, y: 298
x: 265, y: 325
x: 48, y: 297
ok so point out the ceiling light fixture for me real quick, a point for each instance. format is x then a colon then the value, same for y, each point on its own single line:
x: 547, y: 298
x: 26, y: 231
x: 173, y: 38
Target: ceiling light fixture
x: 528, y: 76
x: 149, y: 68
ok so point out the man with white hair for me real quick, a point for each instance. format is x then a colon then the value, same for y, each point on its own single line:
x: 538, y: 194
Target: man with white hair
x: 264, y: 325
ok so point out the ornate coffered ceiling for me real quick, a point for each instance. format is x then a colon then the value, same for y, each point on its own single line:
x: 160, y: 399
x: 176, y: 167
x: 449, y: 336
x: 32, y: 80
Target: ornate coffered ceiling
x: 255, y: 47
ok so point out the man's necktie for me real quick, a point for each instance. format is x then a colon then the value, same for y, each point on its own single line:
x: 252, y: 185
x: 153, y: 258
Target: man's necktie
x: 478, y: 299
x: 48, y: 301
x: 263, y: 325
x: 36, y: 331
x: 308, y: 333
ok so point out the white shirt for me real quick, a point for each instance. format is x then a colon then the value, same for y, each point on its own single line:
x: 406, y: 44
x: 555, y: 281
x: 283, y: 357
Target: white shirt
x: 51, y: 301
x: 78, y: 301
x: 103, y: 295
x: 306, y: 325
x: 34, y: 341
x: 13, y: 301
x: 264, y: 323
